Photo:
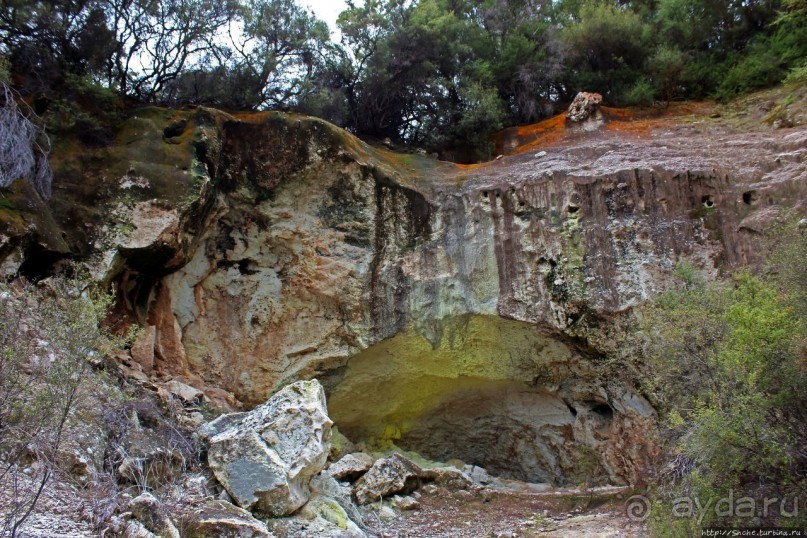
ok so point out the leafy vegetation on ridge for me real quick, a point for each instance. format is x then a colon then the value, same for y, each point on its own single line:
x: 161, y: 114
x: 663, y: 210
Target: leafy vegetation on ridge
x: 435, y: 73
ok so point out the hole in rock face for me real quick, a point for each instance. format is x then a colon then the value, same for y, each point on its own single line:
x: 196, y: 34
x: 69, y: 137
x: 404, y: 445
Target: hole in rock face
x: 488, y: 391
x: 708, y: 201
x: 750, y: 197
x: 176, y: 128
x: 603, y: 410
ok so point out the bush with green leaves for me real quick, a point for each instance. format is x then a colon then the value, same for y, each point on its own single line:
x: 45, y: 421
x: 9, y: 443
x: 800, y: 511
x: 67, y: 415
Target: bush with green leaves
x: 49, y: 334
x: 725, y: 365
x: 609, y: 45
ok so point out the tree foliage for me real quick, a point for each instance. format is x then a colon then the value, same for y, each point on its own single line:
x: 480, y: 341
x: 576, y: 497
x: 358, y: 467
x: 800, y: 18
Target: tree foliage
x: 434, y: 73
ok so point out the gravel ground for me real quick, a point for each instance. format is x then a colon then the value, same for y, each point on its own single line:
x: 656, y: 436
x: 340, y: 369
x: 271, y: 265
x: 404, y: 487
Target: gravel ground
x: 489, y: 513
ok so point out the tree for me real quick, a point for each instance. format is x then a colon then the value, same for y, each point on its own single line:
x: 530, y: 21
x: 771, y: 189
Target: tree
x: 158, y: 40
x: 609, y: 46
x: 282, y: 48
x: 272, y: 53
x: 47, y: 40
x: 529, y: 57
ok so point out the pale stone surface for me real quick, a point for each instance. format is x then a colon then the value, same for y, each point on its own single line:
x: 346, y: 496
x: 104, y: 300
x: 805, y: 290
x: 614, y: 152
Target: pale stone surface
x: 405, y: 502
x: 331, y: 512
x: 302, y: 252
x: 183, y: 391
x: 152, y: 223
x: 266, y: 458
x: 149, y: 511
x: 224, y: 520
x: 387, y: 476
x: 583, y: 106
x: 351, y: 466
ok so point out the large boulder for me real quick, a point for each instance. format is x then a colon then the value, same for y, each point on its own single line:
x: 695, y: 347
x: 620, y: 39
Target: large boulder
x: 331, y: 513
x: 266, y: 458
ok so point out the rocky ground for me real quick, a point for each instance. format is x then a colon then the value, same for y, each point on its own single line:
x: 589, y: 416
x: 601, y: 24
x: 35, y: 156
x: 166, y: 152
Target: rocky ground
x: 60, y: 513
x: 501, y: 513
x: 487, y: 513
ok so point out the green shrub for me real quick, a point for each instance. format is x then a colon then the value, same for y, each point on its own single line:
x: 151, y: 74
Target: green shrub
x: 48, y: 335
x: 667, y: 67
x: 797, y: 76
x: 642, y: 93
x: 761, y: 68
x: 725, y: 368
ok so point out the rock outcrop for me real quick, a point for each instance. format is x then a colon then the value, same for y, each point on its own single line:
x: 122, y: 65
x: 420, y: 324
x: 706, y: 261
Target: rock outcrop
x: 584, y: 105
x: 266, y: 458
x: 464, y: 310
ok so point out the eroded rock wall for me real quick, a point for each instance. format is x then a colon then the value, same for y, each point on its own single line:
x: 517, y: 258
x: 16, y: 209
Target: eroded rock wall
x: 261, y: 249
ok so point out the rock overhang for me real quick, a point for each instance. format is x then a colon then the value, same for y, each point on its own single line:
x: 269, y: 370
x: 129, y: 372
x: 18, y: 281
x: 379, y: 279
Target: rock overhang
x: 495, y: 393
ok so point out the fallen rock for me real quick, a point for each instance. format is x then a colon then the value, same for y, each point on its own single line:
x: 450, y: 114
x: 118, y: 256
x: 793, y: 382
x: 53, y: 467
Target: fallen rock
x: 224, y: 520
x: 183, y: 391
x: 135, y: 529
x: 146, y: 460
x: 405, y: 502
x: 584, y: 105
x: 325, y: 485
x: 150, y: 512
x: 351, y: 467
x: 477, y: 474
x: 448, y: 477
x: 387, y: 514
x: 331, y: 512
x: 266, y: 458
x: 394, y: 474
x: 463, y: 495
x: 330, y: 518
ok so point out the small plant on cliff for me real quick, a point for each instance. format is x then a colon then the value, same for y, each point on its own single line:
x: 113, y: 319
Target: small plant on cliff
x: 48, y: 333
x: 24, y: 146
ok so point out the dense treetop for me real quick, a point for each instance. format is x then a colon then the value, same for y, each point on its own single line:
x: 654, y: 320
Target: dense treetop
x: 436, y: 73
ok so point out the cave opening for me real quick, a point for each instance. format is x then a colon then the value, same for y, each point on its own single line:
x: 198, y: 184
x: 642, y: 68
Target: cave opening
x: 489, y: 392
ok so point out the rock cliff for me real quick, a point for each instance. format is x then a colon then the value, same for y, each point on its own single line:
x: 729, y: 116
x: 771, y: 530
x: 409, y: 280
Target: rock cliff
x: 458, y: 311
